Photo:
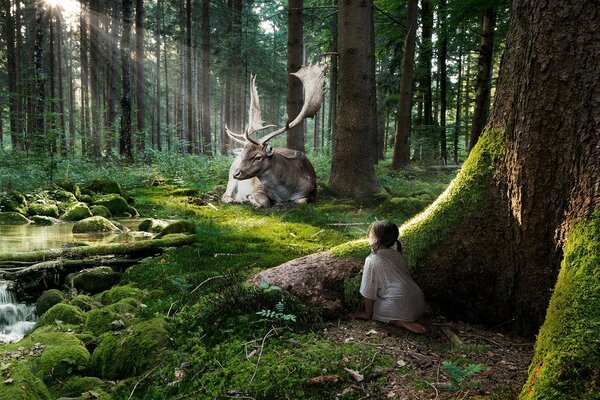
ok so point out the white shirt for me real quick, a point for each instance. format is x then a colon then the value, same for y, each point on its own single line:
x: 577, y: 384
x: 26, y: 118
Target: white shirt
x: 387, y: 281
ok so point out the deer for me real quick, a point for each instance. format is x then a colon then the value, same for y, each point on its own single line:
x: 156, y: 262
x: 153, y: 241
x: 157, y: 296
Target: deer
x: 277, y: 175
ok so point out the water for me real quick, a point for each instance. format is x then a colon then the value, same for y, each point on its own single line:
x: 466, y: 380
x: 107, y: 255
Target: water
x: 16, y: 319
x: 24, y: 238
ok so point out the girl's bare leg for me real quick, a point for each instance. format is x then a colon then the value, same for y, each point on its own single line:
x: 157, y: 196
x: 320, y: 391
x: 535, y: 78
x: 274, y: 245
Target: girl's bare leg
x: 415, y: 326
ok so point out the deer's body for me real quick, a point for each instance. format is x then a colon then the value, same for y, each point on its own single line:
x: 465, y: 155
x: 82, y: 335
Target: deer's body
x: 284, y: 175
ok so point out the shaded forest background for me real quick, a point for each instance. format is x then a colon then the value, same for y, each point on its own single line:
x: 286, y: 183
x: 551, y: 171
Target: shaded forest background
x: 99, y: 79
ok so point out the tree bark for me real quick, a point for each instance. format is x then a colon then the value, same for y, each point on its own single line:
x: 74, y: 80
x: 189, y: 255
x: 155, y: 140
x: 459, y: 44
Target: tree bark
x: 61, y: 97
x: 457, y: 119
x: 84, y: 60
x: 96, y: 124
x: 157, y: 138
x: 125, y: 149
x: 295, y: 58
x: 205, y: 117
x: 401, y: 156
x: 113, y: 65
x: 38, y: 135
x: 188, y: 81
x: 333, y: 80
x: 140, y: 99
x: 352, y: 171
x: 484, y: 76
x: 11, y: 67
x: 443, y: 55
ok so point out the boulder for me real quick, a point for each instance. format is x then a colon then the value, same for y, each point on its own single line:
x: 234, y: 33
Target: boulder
x: 62, y: 196
x: 48, y: 299
x: 68, y: 185
x: 13, y: 218
x: 318, y: 279
x: 152, y: 225
x: 177, y: 227
x: 13, y: 201
x: 93, y: 280
x: 77, y: 212
x: 44, y: 209
x: 66, y: 313
x: 44, y: 221
x: 115, y: 203
x: 100, y: 211
x: 96, y: 224
x: 105, y: 186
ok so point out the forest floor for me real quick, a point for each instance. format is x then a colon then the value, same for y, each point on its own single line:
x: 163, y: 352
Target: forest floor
x: 479, y: 364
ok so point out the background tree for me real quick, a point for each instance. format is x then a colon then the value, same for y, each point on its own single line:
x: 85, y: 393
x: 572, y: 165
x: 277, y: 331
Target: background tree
x: 295, y: 59
x: 125, y: 148
x: 140, y: 97
x: 205, y: 117
x: 352, y: 172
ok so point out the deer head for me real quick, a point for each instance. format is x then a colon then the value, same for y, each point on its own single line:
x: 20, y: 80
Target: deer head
x: 256, y: 153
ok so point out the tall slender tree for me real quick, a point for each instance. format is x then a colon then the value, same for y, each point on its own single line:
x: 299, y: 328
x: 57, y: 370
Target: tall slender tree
x: 125, y: 141
x: 60, y: 85
x: 442, y: 57
x: 113, y: 66
x: 38, y: 133
x: 140, y: 98
x: 96, y: 124
x: 295, y: 58
x: 190, y: 145
x: 85, y: 79
x: 352, y: 171
x: 11, y: 67
x: 205, y: 116
x: 157, y: 139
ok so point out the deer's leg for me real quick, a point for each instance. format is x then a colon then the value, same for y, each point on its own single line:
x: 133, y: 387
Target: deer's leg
x: 261, y: 198
x: 302, y: 201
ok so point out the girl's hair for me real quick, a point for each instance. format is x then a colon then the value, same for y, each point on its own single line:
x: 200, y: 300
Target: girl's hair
x: 385, y: 234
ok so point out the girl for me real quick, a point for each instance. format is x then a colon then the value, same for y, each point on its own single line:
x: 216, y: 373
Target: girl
x: 390, y: 294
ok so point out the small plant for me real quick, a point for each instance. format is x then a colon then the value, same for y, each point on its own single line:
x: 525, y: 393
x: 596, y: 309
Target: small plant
x: 277, y: 314
x: 459, y: 373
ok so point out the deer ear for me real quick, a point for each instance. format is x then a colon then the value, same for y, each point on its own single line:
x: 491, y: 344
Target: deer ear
x: 270, y: 150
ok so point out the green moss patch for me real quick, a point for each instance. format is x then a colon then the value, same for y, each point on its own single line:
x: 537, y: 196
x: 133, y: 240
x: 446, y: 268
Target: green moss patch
x: 78, y: 385
x: 115, y: 203
x: 76, y: 212
x: 19, y: 383
x: 13, y: 201
x: 13, y: 218
x: 105, y: 186
x: 65, y: 313
x: 84, y: 302
x: 93, y: 280
x: 47, y: 210
x: 95, y: 224
x: 101, y: 211
x: 48, y: 299
x: 566, y: 363
x: 118, y: 293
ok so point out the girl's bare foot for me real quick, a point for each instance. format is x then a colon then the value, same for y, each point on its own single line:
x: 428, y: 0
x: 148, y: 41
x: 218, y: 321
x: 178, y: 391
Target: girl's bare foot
x: 415, y: 326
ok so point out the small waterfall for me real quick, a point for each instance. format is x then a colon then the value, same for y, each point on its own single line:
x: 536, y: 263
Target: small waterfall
x: 16, y: 319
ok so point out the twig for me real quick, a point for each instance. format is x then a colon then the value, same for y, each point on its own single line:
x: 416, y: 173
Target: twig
x: 138, y: 382
x: 455, y: 340
x: 372, y: 361
x: 437, y: 394
x: 262, y: 344
x: 170, y: 307
x: 206, y: 280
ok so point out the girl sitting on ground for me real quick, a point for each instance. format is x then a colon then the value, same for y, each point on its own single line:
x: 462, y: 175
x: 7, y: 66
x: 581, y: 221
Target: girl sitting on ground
x: 390, y: 294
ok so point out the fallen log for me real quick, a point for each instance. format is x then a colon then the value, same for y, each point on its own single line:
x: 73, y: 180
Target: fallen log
x: 142, y: 247
x: 66, y: 266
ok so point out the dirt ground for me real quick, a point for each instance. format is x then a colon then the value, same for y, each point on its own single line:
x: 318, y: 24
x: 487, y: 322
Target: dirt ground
x: 482, y: 362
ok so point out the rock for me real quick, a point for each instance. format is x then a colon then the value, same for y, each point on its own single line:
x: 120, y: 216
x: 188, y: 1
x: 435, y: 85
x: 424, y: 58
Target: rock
x: 95, y: 224
x: 115, y: 203
x: 66, y: 313
x: 105, y: 186
x: 101, y: 211
x: 118, y: 293
x: 81, y: 387
x: 152, y: 225
x: 68, y: 185
x: 63, y: 196
x: 132, y: 211
x: 43, y: 209
x: 77, y: 212
x: 25, y: 385
x: 13, y: 201
x: 44, y: 221
x: 13, y: 218
x: 85, y: 302
x: 178, y: 227
x: 93, y: 280
x: 48, y: 299
x: 318, y: 279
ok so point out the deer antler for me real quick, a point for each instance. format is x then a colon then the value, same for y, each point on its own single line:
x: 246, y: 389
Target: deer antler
x: 312, y: 78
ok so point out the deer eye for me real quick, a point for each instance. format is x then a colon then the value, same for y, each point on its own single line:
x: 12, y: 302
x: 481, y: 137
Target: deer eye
x: 257, y: 158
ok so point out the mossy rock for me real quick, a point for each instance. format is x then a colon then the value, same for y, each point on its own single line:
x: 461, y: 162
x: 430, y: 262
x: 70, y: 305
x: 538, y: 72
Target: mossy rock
x: 132, y: 211
x: 119, y: 293
x: 13, y: 201
x: 19, y: 383
x: 96, y: 224
x: 48, y: 299
x: 93, y: 280
x: 44, y: 221
x: 66, y: 313
x: 152, y: 225
x: 100, y: 211
x: 85, y: 302
x: 98, y: 321
x: 13, y: 218
x: 63, y: 196
x: 77, y: 212
x: 86, y: 198
x: 78, y: 386
x: 43, y: 209
x: 177, y: 227
x: 115, y: 203
x: 137, y: 349
x: 68, y: 185
x: 105, y: 186
x: 95, y: 394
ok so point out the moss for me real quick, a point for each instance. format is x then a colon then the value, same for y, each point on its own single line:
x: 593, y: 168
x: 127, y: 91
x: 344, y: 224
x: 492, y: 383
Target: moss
x: 48, y: 299
x: 98, y: 320
x: 47, y: 210
x: 404, y: 207
x: 178, y: 227
x: 68, y: 185
x: 96, y: 224
x: 13, y: 201
x: 93, y: 280
x: 66, y: 313
x: 152, y: 225
x: 101, y: 211
x: 566, y: 362
x: 63, y: 196
x: 105, y: 186
x: 461, y: 198
x: 118, y: 293
x: 84, y: 302
x: 19, y: 383
x: 78, y: 385
x: 13, y: 218
x: 44, y: 221
x: 115, y: 203
x: 133, y: 211
x: 354, y: 249
x: 76, y: 212
x: 137, y: 349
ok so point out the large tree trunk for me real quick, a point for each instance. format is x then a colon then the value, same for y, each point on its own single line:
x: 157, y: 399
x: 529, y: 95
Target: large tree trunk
x: 96, y: 123
x: 190, y: 147
x: 11, y: 67
x: 490, y: 248
x: 113, y: 64
x: 39, y: 127
x: 401, y: 156
x: 84, y: 61
x: 61, y: 96
x: 157, y: 138
x: 205, y: 117
x: 125, y: 149
x: 352, y: 172
x: 333, y: 80
x: 484, y: 76
x: 295, y: 57
x: 140, y: 99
